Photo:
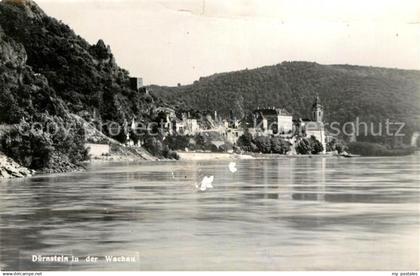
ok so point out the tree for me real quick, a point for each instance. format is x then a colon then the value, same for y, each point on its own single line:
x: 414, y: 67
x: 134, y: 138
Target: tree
x: 49, y: 144
x: 340, y: 148
x: 263, y: 144
x: 315, y: 145
x: 335, y: 145
x: 303, y: 146
x: 10, y: 110
x: 245, y: 142
x: 279, y: 145
x: 156, y: 147
x: 153, y: 145
x: 177, y: 142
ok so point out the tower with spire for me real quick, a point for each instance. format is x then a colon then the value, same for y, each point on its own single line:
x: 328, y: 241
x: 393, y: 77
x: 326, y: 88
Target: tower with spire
x: 317, y: 110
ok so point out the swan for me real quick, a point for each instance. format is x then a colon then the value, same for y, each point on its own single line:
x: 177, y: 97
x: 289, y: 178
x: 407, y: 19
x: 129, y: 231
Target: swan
x: 232, y: 167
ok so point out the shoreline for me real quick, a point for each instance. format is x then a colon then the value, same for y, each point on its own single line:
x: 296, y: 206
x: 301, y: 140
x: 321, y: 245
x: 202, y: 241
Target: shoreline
x: 184, y: 156
x: 9, y: 169
x: 192, y: 156
x: 196, y: 156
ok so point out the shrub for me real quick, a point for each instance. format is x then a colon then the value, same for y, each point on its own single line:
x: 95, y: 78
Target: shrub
x: 169, y: 154
x: 43, y: 146
x: 303, y: 146
x: 279, y: 145
x: 172, y: 155
x: 154, y: 145
x: 316, y: 146
x: 263, y: 144
x: 245, y: 142
x: 336, y: 146
x: 10, y: 110
x: 177, y: 142
x: 199, y: 142
x: 340, y: 148
x: 204, y: 141
x: 227, y: 146
x: 309, y: 146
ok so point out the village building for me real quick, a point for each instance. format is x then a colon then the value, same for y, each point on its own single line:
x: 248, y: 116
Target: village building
x: 186, y: 125
x: 164, y: 118
x: 315, y: 125
x: 232, y: 135
x: 98, y: 150
x: 273, y: 121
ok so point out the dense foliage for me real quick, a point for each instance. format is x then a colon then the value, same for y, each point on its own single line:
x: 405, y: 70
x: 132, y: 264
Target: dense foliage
x: 309, y: 146
x: 84, y: 77
x: 210, y: 141
x: 155, y: 146
x: 335, y: 145
x: 263, y: 144
x: 178, y: 142
x: 51, y: 143
x: 245, y: 142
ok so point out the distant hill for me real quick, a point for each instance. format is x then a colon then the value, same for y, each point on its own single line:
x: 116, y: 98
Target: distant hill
x: 346, y: 91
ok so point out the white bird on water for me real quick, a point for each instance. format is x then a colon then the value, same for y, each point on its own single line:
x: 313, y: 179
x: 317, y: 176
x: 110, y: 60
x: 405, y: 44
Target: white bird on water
x: 206, y: 183
x: 232, y: 167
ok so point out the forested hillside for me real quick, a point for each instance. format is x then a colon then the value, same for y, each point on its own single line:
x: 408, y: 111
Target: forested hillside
x: 47, y: 74
x: 370, y: 93
x: 83, y: 76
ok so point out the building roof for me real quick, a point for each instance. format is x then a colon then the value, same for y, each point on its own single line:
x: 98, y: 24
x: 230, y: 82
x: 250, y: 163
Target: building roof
x: 271, y: 111
x: 164, y: 109
x: 317, y: 101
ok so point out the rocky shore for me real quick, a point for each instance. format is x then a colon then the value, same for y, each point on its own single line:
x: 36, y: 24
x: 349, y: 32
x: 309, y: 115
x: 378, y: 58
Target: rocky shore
x: 11, y: 169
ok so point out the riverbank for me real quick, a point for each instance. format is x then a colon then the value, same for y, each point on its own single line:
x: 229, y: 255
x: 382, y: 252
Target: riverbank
x: 119, y: 152
x: 283, y: 156
x: 10, y: 169
x: 196, y: 156
x: 375, y: 149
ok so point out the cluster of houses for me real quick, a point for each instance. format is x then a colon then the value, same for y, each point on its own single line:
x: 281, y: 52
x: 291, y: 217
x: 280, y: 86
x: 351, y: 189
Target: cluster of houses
x: 270, y: 121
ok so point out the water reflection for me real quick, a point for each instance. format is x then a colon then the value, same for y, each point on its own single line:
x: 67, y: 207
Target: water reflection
x: 287, y: 214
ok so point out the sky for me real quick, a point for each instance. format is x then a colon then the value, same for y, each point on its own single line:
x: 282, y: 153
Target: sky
x: 167, y: 42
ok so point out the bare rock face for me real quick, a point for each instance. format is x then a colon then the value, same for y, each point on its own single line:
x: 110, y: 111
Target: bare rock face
x: 11, y: 169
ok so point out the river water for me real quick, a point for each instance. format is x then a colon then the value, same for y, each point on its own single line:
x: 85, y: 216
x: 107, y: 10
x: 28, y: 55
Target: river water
x: 285, y: 214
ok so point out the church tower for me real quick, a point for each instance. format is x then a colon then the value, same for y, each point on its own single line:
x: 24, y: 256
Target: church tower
x: 317, y: 111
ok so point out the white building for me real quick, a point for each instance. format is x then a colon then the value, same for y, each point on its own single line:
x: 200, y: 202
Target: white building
x: 273, y: 121
x: 316, y: 126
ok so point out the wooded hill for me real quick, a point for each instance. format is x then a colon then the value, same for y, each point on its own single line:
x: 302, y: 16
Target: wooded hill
x: 373, y: 94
